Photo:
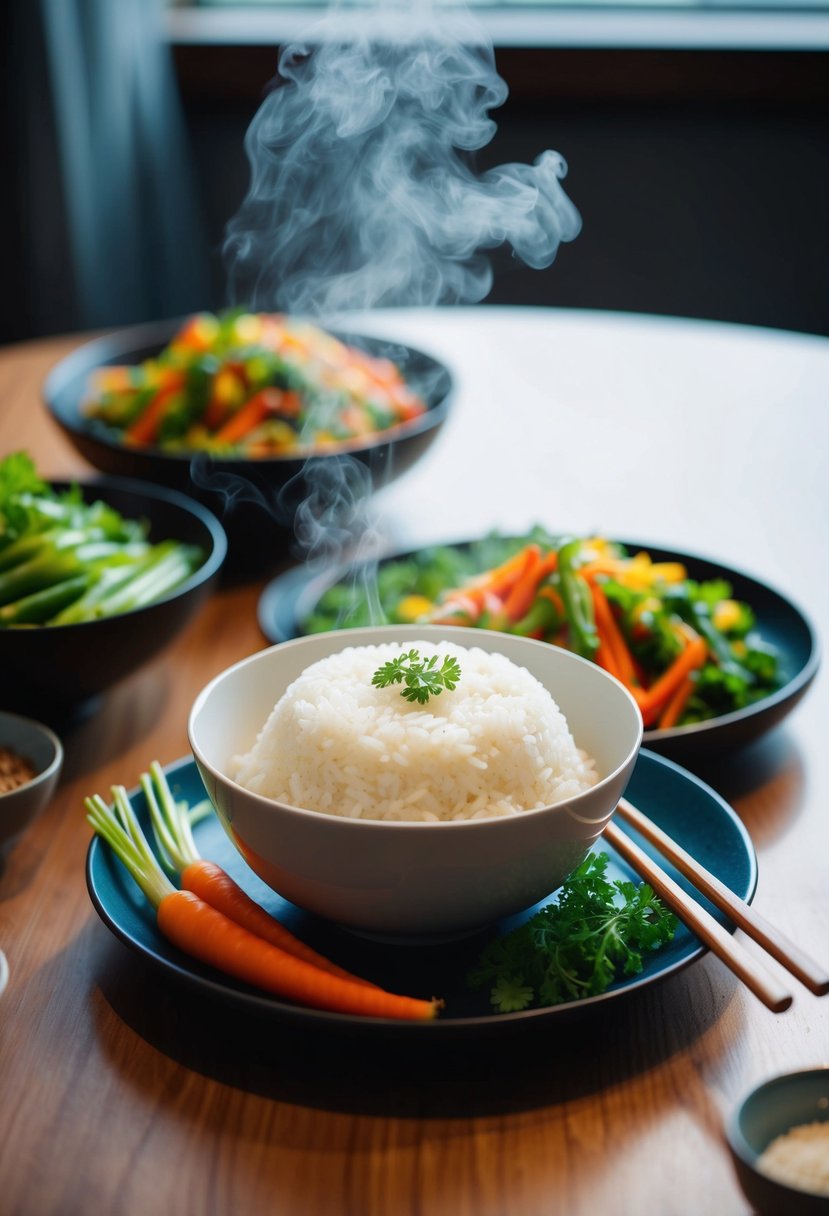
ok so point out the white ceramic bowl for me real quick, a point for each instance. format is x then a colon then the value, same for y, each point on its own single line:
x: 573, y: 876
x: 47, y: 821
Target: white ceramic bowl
x: 391, y: 878
x: 42, y: 748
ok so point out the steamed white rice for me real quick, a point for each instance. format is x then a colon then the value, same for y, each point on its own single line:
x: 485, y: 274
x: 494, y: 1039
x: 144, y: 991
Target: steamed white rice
x: 495, y: 745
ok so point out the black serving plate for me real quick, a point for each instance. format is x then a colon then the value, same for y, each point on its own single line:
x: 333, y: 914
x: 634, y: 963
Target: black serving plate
x: 256, y: 500
x: 57, y: 672
x: 288, y: 600
x: 685, y: 807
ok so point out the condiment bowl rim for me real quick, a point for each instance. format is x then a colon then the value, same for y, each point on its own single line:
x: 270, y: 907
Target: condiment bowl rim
x: 34, y: 728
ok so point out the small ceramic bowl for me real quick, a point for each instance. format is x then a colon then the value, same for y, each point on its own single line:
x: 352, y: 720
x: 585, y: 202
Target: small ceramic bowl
x: 42, y: 748
x: 395, y: 878
x: 768, y: 1111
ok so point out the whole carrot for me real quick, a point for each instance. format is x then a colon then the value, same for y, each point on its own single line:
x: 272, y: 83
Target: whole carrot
x: 174, y: 837
x: 211, y: 937
x: 199, y: 930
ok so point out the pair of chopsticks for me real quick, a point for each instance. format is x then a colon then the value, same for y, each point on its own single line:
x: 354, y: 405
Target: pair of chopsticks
x: 771, y: 990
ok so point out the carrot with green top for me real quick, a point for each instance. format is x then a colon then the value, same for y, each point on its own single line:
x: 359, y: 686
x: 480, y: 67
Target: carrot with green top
x: 213, y: 938
x: 174, y: 837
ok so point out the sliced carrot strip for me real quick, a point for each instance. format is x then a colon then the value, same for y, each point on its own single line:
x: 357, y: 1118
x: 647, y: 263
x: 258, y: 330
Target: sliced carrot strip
x: 254, y: 411
x: 654, y: 699
x: 146, y: 426
x: 675, y: 706
x: 608, y: 625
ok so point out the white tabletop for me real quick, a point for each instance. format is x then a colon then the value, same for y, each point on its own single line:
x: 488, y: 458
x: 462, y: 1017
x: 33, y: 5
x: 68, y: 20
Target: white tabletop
x: 681, y: 433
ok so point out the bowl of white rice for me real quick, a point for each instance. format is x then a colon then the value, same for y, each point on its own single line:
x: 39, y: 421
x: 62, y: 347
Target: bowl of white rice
x: 397, y: 813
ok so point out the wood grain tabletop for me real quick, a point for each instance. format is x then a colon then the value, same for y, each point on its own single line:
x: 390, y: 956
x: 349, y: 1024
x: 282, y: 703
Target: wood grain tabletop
x: 126, y: 1091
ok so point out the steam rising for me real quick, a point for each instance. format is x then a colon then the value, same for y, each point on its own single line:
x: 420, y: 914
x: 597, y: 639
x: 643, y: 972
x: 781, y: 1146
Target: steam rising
x: 364, y: 194
x: 363, y: 191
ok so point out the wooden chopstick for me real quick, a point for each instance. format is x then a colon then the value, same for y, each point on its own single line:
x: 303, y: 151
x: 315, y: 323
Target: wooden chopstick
x: 711, y: 933
x: 812, y: 974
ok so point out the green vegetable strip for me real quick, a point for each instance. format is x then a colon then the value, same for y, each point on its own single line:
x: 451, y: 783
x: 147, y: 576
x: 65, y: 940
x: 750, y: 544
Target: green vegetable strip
x: 172, y: 829
x: 170, y: 567
x: 36, y: 574
x: 41, y: 606
x: 575, y: 595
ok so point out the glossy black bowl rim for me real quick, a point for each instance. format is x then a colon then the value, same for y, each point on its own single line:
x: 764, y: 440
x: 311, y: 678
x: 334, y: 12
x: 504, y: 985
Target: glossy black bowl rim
x: 83, y: 359
x: 134, y: 487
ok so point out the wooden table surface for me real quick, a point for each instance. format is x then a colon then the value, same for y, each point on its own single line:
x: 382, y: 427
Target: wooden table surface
x: 122, y: 1093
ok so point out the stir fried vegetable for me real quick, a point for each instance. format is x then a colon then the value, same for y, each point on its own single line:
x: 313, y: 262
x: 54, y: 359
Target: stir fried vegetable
x: 686, y: 649
x: 252, y: 385
x: 64, y: 561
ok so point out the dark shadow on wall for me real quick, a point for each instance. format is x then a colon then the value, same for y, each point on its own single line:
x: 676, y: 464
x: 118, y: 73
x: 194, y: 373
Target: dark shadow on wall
x: 702, y: 179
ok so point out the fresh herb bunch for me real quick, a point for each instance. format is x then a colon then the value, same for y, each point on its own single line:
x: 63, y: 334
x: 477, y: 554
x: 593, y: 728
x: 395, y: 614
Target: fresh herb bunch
x: 595, y: 932
x: 422, y: 677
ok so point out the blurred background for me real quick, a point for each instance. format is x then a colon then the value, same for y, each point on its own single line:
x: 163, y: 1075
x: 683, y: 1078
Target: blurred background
x: 696, y: 134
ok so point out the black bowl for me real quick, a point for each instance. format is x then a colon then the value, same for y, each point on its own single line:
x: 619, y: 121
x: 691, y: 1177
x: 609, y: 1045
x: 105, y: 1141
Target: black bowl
x: 56, y: 673
x: 256, y: 499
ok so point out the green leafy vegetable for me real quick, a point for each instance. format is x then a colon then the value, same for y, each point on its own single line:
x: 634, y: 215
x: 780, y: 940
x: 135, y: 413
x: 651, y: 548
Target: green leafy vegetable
x: 422, y: 677
x: 596, y: 932
x: 64, y: 561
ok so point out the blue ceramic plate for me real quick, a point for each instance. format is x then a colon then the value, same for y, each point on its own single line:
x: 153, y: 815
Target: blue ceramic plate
x: 289, y: 598
x: 680, y: 803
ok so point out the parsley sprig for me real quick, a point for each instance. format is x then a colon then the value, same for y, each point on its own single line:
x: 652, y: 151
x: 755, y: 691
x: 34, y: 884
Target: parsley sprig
x: 594, y: 933
x: 422, y: 677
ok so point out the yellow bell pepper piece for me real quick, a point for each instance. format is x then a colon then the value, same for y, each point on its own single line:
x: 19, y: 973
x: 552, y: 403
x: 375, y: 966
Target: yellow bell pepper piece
x: 726, y: 615
x: 414, y: 608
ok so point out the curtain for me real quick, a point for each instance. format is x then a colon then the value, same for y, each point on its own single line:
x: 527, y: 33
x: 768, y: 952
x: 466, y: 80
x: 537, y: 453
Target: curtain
x: 136, y: 234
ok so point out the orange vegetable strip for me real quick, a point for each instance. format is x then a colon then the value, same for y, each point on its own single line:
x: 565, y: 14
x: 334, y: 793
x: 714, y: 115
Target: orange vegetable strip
x: 550, y: 593
x: 254, y: 411
x: 203, y: 933
x: 673, y: 710
x: 520, y: 598
x: 215, y: 886
x: 609, y: 627
x: 145, y: 428
x: 497, y: 581
x: 522, y: 593
x: 652, y: 701
x: 605, y: 656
